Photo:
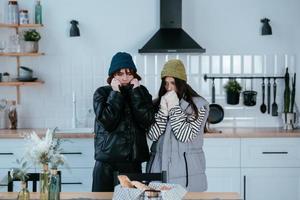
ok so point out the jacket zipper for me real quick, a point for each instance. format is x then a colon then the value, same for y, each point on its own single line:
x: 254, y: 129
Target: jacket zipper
x: 186, y: 170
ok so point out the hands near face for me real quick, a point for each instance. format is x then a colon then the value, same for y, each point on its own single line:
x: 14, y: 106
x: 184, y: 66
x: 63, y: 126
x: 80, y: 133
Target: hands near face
x: 135, y: 83
x: 115, y: 84
x: 163, y: 105
x: 168, y: 101
x: 172, y: 99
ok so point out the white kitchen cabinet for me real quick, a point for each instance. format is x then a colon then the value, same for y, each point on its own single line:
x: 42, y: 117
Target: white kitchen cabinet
x: 222, y: 152
x: 76, y: 175
x: 77, y: 180
x: 271, y: 183
x: 3, y: 179
x: 223, y: 179
x: 270, y: 168
x: 10, y: 150
x: 79, y: 155
x: 270, y: 152
x: 223, y: 164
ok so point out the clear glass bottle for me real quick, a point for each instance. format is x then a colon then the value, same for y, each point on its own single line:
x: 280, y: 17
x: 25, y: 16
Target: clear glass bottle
x: 14, y: 44
x: 44, y: 182
x: 54, y: 191
x: 24, y: 193
x: 38, y: 13
x: 13, y: 12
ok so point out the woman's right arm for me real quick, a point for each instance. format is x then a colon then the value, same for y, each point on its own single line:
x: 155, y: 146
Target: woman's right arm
x: 108, y: 106
x: 159, y: 126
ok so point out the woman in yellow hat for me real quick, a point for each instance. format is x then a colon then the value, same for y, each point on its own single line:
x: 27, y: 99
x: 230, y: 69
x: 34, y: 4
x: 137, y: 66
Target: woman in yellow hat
x: 178, y: 130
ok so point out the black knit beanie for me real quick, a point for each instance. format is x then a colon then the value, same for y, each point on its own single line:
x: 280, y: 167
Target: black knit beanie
x: 119, y: 61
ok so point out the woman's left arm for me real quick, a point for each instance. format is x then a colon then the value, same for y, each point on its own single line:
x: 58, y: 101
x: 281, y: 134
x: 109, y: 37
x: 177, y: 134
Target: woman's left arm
x: 142, y: 107
x: 186, y: 130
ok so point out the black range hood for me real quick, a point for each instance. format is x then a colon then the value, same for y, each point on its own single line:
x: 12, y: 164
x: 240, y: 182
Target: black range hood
x: 171, y: 38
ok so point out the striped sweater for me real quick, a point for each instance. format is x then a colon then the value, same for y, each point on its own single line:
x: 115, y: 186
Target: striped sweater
x: 185, y: 127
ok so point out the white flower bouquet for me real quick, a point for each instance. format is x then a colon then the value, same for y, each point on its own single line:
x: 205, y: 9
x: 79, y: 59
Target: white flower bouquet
x: 45, y: 150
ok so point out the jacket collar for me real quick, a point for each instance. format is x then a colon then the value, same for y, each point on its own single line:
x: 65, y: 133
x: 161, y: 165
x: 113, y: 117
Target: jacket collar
x: 183, y: 104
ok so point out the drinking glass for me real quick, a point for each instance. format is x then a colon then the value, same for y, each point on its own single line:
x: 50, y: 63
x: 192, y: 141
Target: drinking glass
x: 2, y: 46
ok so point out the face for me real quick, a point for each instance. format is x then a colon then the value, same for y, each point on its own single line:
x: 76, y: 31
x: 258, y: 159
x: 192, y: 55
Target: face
x: 124, y: 76
x: 170, y: 84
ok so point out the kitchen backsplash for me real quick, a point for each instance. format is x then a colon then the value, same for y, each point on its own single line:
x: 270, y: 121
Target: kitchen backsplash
x: 50, y: 105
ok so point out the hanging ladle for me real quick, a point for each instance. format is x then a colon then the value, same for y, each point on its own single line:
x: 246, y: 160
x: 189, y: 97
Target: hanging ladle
x: 263, y: 107
x: 274, y: 105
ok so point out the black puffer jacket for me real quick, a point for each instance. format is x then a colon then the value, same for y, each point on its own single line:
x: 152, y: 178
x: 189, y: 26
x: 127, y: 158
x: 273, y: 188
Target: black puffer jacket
x: 122, y: 120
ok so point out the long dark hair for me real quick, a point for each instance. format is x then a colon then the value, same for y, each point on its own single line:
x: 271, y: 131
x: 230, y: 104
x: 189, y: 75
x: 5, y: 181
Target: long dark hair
x: 184, y: 91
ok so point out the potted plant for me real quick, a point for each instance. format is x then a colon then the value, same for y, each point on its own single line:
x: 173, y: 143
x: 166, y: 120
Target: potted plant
x: 22, y: 175
x: 31, y: 38
x: 288, y: 115
x: 233, y: 90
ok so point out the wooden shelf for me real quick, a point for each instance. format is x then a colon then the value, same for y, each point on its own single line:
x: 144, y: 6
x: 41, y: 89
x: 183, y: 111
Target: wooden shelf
x: 21, y: 54
x: 18, y: 56
x: 19, y: 83
x: 21, y: 25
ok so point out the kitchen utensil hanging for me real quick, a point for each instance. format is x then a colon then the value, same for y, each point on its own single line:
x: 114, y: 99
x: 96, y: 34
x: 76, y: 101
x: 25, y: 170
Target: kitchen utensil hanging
x: 216, y: 112
x: 269, y: 96
x: 274, y: 105
x: 249, y: 96
x: 263, y: 107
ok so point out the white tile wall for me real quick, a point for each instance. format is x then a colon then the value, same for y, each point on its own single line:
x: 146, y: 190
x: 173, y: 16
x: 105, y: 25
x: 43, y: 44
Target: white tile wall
x: 50, y: 105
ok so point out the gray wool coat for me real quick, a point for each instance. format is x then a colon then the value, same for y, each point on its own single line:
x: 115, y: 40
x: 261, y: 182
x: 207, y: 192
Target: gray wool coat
x: 184, y: 162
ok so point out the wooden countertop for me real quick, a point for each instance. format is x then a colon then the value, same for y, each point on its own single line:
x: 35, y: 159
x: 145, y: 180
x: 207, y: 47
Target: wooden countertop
x: 226, y: 133
x: 108, y: 195
x: 252, y: 133
x: 19, y: 133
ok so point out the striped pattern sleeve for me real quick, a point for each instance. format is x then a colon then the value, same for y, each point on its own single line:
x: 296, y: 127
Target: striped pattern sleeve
x: 186, y: 128
x: 158, y: 127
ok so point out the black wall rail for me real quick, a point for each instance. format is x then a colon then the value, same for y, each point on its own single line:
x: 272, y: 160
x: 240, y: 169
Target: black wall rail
x: 242, y: 77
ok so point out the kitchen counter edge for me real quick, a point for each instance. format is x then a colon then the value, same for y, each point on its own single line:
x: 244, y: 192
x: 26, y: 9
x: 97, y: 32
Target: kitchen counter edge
x: 226, y: 133
x: 20, y: 133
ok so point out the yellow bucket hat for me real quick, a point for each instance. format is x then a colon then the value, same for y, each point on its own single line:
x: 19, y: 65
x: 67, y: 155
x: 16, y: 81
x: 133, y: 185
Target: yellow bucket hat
x: 174, y: 68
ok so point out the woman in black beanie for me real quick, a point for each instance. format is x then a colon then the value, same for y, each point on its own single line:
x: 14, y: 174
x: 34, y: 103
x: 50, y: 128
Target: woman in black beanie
x: 124, y: 112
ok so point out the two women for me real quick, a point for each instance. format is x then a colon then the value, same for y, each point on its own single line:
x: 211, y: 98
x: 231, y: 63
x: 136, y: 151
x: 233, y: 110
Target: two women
x: 178, y: 130
x: 125, y: 114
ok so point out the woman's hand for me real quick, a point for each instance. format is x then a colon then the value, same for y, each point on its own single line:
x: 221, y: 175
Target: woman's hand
x: 115, y: 84
x: 135, y: 83
x: 163, y: 105
x: 172, y: 99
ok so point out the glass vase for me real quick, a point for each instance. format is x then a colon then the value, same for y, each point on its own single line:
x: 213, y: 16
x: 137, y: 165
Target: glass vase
x: 24, y: 193
x: 44, y: 183
x: 54, y: 192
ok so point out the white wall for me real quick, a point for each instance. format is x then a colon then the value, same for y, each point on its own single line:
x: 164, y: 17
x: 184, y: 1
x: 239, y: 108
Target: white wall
x: 229, y: 27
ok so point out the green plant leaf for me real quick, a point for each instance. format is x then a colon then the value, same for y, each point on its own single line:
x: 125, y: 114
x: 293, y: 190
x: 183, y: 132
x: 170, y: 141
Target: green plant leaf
x: 233, y: 86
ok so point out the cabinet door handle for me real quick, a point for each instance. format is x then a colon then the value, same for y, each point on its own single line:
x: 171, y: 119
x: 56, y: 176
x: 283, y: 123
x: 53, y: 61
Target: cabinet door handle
x: 71, y: 153
x: 245, y: 187
x: 72, y: 183
x: 5, y: 154
x: 275, y: 152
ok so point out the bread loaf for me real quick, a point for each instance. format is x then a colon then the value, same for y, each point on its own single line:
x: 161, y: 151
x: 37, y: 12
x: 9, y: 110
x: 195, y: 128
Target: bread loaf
x: 140, y: 185
x: 150, y: 192
x: 125, y: 181
x: 164, y: 187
